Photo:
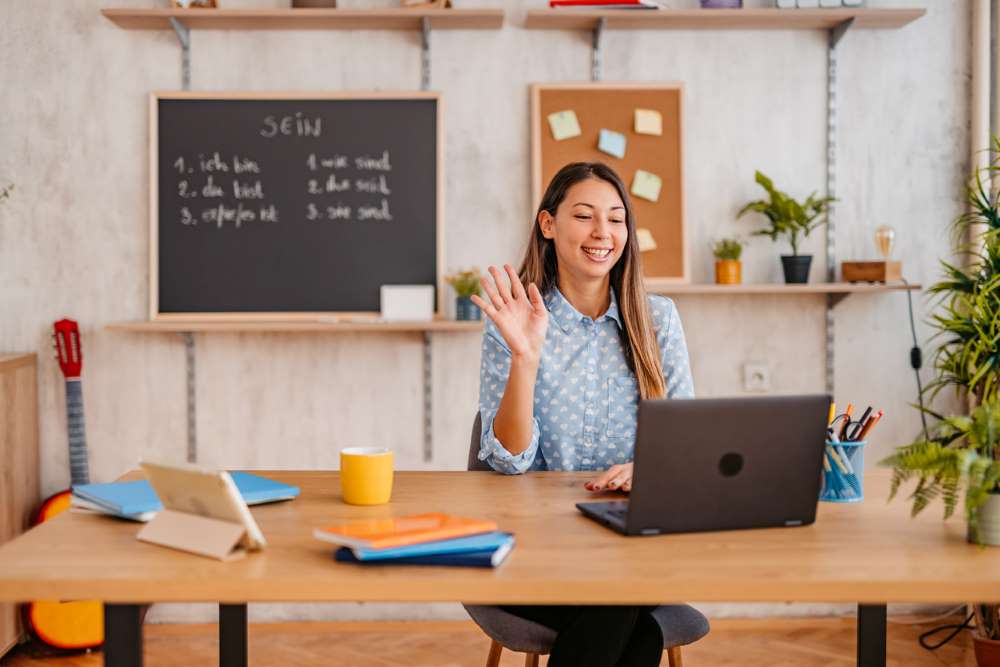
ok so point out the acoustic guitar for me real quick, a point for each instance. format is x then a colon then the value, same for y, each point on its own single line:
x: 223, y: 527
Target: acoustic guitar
x: 76, y: 624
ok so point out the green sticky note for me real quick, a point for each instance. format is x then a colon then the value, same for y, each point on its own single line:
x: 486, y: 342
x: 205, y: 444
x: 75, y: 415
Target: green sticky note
x: 646, y: 185
x: 564, y: 125
x: 612, y: 143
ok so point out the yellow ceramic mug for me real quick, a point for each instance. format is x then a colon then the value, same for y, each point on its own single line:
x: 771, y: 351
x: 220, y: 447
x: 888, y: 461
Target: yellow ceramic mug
x: 366, y: 475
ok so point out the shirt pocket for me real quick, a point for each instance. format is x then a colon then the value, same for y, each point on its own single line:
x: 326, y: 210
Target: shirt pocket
x: 623, y: 404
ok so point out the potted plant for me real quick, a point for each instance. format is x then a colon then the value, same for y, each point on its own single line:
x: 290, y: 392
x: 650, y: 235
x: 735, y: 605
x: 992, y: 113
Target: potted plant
x: 790, y: 218
x: 465, y: 284
x: 959, y: 451
x: 728, y: 269
x: 964, y: 450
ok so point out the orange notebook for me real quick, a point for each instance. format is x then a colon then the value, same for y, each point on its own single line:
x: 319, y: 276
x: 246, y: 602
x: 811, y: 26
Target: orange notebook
x: 402, y: 530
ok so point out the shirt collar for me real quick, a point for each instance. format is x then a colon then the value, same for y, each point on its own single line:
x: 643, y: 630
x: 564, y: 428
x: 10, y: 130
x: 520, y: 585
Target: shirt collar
x: 566, y: 316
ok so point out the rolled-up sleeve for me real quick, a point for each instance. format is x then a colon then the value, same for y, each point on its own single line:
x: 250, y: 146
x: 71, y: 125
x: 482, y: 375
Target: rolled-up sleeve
x: 493, y: 373
x: 673, y: 348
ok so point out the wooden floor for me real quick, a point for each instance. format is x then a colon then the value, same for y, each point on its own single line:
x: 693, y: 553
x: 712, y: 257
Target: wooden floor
x: 820, y: 642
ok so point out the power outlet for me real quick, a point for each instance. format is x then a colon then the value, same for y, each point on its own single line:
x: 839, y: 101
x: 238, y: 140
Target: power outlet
x: 756, y: 377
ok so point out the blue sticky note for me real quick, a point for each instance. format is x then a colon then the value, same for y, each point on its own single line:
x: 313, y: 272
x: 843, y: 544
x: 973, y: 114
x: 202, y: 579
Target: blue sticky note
x: 612, y: 143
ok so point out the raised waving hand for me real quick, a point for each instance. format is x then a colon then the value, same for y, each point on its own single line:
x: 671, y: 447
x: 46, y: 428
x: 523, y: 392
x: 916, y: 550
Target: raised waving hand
x: 520, y: 315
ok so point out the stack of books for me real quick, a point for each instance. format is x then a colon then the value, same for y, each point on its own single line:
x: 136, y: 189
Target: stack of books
x: 138, y: 501
x: 606, y: 4
x: 419, y: 539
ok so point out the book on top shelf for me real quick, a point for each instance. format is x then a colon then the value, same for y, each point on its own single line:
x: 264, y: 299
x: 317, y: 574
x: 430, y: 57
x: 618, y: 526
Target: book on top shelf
x: 605, y: 4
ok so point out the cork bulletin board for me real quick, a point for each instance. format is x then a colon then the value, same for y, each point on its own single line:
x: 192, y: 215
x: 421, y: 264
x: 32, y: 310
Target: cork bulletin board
x: 611, y: 107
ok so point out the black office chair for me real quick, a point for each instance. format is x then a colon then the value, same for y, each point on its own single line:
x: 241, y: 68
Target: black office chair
x: 680, y: 623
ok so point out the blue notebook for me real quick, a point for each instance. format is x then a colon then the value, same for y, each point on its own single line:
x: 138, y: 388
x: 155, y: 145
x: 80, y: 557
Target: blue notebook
x: 135, y: 498
x: 482, y: 558
x: 482, y: 542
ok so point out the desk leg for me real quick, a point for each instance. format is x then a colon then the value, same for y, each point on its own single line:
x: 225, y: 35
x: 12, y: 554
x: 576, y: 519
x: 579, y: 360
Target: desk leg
x: 122, y: 635
x: 871, y: 635
x: 233, y: 635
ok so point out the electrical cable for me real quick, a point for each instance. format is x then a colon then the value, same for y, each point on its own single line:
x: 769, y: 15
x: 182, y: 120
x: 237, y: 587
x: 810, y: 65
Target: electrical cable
x: 955, y: 629
x: 924, y: 621
x: 916, y: 360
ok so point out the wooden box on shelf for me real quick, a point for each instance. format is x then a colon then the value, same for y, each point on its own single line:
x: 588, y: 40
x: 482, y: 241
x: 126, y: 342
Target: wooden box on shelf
x: 871, y: 272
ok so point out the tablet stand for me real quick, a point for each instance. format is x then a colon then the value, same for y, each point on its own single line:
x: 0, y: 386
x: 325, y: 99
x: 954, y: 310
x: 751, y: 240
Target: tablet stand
x: 195, y: 534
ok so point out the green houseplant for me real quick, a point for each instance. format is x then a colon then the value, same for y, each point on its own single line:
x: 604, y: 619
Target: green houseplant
x: 788, y: 218
x: 963, y: 451
x: 465, y: 284
x: 728, y: 268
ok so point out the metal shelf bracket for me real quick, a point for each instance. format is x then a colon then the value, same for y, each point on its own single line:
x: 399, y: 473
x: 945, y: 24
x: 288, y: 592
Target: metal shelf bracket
x: 191, y: 402
x: 836, y: 34
x: 184, y: 37
x: 597, y: 49
x: 425, y: 53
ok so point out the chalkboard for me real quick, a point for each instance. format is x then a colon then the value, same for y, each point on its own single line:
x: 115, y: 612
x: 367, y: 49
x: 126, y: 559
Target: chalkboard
x: 292, y: 205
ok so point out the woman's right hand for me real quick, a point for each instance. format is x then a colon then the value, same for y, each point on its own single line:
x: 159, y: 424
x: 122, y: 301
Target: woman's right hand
x: 520, y: 316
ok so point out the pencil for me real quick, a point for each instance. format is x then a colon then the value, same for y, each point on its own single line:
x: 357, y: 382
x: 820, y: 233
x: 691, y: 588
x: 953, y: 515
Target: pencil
x: 868, y: 426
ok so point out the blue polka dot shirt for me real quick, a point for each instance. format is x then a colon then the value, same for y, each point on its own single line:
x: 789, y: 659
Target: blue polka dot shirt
x: 586, y: 397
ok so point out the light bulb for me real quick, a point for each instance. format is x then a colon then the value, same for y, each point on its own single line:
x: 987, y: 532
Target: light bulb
x: 885, y: 239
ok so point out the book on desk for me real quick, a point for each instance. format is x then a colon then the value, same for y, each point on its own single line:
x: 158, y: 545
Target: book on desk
x: 137, y: 501
x: 419, y: 539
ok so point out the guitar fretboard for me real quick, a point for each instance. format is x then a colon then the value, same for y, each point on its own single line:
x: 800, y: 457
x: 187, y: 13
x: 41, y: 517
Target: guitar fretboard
x: 79, y: 470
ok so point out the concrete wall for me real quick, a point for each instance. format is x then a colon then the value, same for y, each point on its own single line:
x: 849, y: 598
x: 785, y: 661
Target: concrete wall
x: 73, y: 239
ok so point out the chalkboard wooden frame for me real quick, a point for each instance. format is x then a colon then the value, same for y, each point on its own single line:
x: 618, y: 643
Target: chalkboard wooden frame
x: 610, y: 106
x: 156, y: 96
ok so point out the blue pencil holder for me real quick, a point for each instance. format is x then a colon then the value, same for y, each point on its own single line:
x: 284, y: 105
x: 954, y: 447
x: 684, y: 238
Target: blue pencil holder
x: 843, y: 472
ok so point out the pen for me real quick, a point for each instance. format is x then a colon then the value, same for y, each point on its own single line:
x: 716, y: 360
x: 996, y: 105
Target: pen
x: 836, y: 460
x: 833, y: 413
x: 861, y: 423
x: 868, y: 427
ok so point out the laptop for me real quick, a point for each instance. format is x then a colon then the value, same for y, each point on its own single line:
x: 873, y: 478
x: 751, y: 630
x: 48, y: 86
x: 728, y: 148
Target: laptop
x: 722, y: 464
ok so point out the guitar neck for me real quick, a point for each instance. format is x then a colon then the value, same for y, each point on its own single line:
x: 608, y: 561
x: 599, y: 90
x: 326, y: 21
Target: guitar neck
x: 79, y: 469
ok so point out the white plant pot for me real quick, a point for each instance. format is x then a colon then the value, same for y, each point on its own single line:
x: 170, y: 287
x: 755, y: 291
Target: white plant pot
x: 989, y: 521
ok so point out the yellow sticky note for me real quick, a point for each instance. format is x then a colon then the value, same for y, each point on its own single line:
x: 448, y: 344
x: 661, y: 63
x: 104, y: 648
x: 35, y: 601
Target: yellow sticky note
x: 646, y: 185
x: 645, y: 239
x: 564, y: 125
x: 648, y: 121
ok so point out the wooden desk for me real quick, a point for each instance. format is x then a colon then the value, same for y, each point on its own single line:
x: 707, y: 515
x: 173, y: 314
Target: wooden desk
x: 868, y: 553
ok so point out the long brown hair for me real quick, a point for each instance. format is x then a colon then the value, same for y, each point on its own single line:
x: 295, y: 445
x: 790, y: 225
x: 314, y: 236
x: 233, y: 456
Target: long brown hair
x: 541, y: 267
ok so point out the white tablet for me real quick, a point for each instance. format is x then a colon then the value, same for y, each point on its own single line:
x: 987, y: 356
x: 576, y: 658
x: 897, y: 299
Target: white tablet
x: 204, y: 492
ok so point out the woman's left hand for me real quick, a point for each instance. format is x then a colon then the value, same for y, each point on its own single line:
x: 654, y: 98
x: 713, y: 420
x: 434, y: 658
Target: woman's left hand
x: 617, y: 477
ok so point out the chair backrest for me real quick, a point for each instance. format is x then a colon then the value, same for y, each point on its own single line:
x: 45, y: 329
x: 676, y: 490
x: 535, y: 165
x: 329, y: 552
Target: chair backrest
x: 477, y: 436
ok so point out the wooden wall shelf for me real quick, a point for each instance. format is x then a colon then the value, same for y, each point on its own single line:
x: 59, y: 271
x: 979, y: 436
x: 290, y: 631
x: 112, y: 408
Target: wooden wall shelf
x: 307, y: 19
x: 660, y: 287
x: 839, y: 291
x: 719, y: 19
x: 170, y: 325
x: 291, y: 326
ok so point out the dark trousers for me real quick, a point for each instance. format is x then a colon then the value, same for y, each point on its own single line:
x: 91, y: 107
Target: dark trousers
x: 599, y: 636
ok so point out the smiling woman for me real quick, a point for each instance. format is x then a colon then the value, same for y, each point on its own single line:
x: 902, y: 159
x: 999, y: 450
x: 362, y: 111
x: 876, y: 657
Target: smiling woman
x: 564, y: 397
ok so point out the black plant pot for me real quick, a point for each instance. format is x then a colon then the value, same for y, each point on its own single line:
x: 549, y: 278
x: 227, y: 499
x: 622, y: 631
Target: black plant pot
x: 796, y: 268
